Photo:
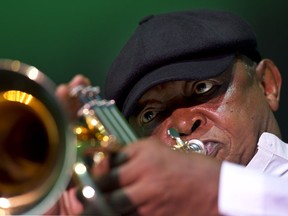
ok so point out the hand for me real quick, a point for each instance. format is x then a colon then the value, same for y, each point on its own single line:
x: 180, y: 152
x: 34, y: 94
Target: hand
x: 71, y: 105
x: 68, y: 204
x: 158, y: 181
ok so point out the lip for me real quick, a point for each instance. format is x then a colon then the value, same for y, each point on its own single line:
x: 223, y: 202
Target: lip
x: 211, y: 147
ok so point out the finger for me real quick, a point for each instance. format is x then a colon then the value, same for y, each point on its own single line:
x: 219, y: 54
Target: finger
x: 79, y: 79
x: 117, y: 159
x: 62, y: 92
x: 107, y: 176
x: 108, y: 182
x: 132, y: 169
x: 67, y: 102
x: 106, y: 161
x: 134, y: 212
x: 121, y: 203
x: 95, y: 205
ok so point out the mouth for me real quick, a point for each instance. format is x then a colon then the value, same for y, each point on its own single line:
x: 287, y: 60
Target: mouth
x: 208, y: 147
x: 211, y: 148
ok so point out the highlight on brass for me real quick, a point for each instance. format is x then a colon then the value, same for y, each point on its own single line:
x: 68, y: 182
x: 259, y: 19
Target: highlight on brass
x: 193, y: 145
x: 35, y: 158
x: 17, y: 96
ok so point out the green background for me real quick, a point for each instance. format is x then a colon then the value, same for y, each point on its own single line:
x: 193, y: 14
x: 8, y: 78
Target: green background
x: 63, y: 38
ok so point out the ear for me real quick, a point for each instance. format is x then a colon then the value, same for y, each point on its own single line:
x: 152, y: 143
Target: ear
x: 270, y: 81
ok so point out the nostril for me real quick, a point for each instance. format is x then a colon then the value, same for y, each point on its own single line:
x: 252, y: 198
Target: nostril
x: 182, y: 134
x: 195, y: 125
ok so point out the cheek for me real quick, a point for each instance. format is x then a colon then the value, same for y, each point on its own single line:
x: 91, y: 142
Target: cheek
x: 233, y: 113
x: 241, y: 121
x: 238, y: 100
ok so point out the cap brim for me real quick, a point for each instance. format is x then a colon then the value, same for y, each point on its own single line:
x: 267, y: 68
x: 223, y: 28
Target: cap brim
x: 196, y: 69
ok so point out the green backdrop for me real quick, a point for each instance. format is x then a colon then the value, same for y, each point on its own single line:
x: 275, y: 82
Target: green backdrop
x: 63, y: 38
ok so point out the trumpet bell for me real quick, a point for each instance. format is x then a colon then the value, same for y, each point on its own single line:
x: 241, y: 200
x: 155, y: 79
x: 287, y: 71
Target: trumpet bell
x: 35, y: 141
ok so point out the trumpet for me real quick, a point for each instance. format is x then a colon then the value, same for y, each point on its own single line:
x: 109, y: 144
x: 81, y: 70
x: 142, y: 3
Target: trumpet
x: 41, y: 151
x: 36, y: 141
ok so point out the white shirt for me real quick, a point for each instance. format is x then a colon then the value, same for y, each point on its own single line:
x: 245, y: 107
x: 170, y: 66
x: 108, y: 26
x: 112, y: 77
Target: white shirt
x: 244, y: 192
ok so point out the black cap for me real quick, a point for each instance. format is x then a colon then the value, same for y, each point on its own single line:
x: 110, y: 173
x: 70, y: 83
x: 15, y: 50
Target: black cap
x: 190, y: 45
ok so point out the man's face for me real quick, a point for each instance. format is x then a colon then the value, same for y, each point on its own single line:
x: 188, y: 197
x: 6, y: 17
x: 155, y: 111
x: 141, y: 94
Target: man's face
x: 227, y: 113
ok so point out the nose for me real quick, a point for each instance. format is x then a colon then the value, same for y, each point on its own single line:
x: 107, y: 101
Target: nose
x: 187, y: 120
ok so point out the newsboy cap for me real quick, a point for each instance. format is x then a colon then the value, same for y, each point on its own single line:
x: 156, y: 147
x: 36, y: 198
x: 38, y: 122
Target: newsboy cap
x: 188, y: 45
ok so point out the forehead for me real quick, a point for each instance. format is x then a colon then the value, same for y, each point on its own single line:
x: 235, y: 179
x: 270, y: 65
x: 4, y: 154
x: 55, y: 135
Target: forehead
x: 171, y: 89
x: 164, y: 89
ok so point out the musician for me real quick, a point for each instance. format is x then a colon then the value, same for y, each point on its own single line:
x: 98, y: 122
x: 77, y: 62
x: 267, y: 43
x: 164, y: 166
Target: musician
x: 198, y: 72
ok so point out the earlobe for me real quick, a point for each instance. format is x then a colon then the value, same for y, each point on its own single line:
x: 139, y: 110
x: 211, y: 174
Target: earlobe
x: 270, y: 81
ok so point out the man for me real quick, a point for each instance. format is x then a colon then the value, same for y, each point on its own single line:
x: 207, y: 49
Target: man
x: 200, y: 73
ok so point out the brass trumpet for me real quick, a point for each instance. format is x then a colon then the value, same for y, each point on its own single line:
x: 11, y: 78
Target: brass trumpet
x: 40, y: 151
x: 36, y: 141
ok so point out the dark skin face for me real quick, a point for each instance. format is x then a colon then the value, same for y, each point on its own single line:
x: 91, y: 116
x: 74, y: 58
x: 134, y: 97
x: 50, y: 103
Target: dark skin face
x: 227, y: 113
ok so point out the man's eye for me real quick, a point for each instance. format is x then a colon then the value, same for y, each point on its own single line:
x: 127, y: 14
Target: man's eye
x: 148, y: 116
x: 203, y: 87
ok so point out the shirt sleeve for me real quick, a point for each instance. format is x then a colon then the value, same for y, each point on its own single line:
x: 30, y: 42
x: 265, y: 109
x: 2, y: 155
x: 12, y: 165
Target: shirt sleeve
x: 245, y: 192
x: 271, y: 157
